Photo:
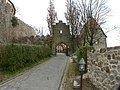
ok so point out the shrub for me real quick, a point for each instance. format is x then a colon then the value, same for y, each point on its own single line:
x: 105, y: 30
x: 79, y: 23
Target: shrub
x: 15, y: 57
x: 82, y: 53
x: 14, y: 21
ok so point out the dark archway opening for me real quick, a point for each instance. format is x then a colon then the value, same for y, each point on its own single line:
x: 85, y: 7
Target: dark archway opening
x: 62, y: 48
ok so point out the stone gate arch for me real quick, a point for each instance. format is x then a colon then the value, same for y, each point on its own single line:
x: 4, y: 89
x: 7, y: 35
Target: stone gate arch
x: 62, y: 48
x: 61, y: 38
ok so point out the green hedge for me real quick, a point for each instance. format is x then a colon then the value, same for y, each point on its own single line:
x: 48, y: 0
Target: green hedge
x: 14, y: 57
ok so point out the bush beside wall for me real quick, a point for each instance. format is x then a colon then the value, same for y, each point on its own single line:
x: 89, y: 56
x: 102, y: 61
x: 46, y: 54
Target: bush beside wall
x: 14, y: 57
x: 82, y: 53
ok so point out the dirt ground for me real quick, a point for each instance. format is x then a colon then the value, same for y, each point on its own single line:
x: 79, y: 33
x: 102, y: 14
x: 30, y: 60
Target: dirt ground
x: 2, y: 76
x: 87, y: 85
x: 72, y: 74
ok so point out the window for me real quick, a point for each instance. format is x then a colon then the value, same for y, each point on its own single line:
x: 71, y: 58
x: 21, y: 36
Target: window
x: 61, y: 31
x: 113, y: 56
x: 97, y: 42
x: 109, y: 57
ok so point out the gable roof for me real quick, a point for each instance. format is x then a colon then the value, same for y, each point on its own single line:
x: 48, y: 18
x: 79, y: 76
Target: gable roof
x: 93, y: 24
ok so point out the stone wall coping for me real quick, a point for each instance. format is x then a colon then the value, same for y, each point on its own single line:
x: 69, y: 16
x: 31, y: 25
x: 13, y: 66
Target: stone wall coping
x: 115, y: 47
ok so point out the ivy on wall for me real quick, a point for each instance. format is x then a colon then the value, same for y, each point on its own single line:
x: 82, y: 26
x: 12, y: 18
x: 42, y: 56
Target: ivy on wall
x: 14, y: 21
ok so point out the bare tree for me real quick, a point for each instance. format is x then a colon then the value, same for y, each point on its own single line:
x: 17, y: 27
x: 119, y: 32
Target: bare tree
x: 117, y: 30
x: 91, y: 32
x: 73, y: 19
x: 93, y: 13
x: 51, y: 17
x: 39, y: 31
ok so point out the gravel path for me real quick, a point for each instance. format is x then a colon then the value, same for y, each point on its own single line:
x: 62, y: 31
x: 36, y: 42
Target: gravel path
x: 46, y: 76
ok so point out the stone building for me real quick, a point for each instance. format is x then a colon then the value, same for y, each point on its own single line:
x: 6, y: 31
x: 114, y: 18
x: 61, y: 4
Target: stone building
x: 61, y: 38
x: 7, y: 31
x: 92, y: 34
x: 7, y: 10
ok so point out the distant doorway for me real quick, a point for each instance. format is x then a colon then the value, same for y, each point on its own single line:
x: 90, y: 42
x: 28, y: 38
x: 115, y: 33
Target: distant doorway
x: 62, y: 48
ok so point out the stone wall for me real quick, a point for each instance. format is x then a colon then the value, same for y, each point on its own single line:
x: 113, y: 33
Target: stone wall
x: 104, y: 68
x: 3, y: 13
x: 100, y: 39
x: 7, y: 31
x: 60, y: 35
x: 21, y: 30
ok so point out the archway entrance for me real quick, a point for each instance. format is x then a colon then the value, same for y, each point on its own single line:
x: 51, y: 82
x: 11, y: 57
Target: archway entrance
x: 62, y: 48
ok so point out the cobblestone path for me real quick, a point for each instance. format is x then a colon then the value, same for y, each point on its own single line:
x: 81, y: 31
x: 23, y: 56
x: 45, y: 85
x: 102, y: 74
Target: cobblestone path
x: 46, y: 76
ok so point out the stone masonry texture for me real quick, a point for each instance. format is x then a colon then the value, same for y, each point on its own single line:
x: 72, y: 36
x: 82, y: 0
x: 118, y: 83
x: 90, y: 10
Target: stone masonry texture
x: 7, y: 31
x: 104, y: 68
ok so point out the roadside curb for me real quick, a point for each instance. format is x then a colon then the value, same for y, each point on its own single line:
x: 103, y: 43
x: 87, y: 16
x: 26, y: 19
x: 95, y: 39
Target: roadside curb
x: 64, y: 77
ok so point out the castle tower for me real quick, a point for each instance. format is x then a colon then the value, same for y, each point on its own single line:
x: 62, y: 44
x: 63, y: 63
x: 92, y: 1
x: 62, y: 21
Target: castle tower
x: 7, y: 11
x: 2, y: 19
x: 61, y: 38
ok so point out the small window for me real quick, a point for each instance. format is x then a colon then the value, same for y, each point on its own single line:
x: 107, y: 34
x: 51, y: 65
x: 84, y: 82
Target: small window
x: 113, y: 56
x: 97, y: 42
x: 61, y: 31
x: 109, y: 57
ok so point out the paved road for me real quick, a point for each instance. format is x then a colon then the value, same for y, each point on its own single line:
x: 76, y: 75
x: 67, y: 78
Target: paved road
x: 46, y: 76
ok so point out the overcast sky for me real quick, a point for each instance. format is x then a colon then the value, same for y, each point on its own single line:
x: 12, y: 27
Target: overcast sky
x: 34, y: 13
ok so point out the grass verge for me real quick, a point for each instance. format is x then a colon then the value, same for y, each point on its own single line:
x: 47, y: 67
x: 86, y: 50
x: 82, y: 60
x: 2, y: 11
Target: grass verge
x: 71, y: 73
